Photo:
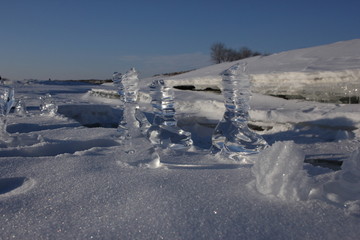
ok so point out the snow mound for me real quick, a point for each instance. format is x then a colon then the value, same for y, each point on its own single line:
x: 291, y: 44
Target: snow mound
x: 279, y: 172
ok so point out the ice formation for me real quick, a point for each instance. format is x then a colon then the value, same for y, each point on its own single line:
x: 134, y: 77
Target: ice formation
x: 279, y: 172
x: 142, y: 120
x: 164, y: 131
x: 232, y: 136
x: 133, y: 122
x: 6, y: 102
x: 48, y: 105
x: 20, y: 107
x: 127, y: 86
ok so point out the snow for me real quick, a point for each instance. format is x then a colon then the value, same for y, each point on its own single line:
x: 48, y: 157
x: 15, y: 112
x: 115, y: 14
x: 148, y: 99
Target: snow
x: 302, y: 72
x: 344, y: 188
x: 279, y: 172
x: 67, y: 176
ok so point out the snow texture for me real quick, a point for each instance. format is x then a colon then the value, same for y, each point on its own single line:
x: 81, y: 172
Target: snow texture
x: 67, y: 176
x: 279, y: 172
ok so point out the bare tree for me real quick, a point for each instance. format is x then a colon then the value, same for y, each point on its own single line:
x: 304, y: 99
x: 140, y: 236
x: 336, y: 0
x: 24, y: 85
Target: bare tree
x: 219, y: 53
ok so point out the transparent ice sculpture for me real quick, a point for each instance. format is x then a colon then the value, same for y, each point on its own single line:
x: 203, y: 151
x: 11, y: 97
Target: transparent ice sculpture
x: 133, y: 122
x: 47, y: 105
x: 232, y: 136
x: 164, y: 131
x: 6, y: 103
x: 127, y: 86
x: 122, y: 128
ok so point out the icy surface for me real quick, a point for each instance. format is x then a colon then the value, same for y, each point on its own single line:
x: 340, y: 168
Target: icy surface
x: 68, y: 177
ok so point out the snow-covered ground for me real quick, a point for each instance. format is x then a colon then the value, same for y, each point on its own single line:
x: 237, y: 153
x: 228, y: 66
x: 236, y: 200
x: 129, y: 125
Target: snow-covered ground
x: 67, y: 176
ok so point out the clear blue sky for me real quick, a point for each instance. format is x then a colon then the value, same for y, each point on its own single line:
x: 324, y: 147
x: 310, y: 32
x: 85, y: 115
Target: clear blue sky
x: 82, y: 39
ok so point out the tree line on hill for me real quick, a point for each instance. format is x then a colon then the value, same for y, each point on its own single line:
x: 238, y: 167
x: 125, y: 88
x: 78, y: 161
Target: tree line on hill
x: 220, y: 53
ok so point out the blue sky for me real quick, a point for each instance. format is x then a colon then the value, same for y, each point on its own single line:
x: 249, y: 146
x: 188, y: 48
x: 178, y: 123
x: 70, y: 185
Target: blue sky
x: 82, y: 39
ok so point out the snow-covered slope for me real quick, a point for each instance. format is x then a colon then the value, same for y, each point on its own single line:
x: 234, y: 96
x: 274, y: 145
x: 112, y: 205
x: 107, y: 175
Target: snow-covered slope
x: 324, y: 73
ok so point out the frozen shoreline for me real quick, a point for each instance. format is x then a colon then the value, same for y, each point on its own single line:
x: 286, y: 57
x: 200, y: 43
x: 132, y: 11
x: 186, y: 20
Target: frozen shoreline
x: 67, y: 176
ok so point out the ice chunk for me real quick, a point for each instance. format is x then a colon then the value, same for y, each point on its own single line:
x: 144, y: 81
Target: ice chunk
x: 279, y: 172
x: 47, y: 105
x: 20, y: 107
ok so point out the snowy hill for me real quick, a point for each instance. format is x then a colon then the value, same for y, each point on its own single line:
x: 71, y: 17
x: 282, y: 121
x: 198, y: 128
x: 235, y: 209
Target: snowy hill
x: 324, y: 73
x: 68, y: 175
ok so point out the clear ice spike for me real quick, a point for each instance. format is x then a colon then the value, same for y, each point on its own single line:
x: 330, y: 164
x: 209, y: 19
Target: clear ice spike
x: 232, y: 136
x: 164, y: 131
